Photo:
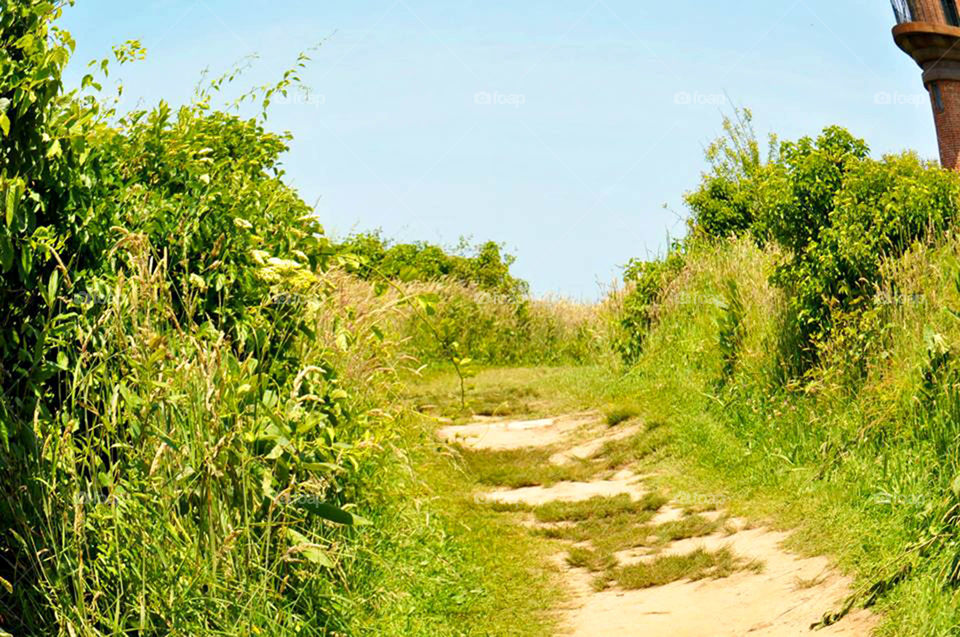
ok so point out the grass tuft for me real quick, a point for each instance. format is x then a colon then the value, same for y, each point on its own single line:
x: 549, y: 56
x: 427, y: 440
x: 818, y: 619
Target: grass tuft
x: 686, y: 527
x: 621, y: 413
x: 516, y: 468
x: 590, y: 559
x: 696, y: 565
x: 598, y: 508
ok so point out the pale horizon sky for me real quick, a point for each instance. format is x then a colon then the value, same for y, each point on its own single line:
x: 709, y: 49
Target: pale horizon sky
x: 568, y: 130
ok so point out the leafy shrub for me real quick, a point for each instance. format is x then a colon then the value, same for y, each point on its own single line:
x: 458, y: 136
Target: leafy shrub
x: 836, y: 214
x: 646, y: 282
x: 725, y: 202
x: 467, y: 322
x: 731, y: 329
x: 186, y: 419
x: 488, y: 268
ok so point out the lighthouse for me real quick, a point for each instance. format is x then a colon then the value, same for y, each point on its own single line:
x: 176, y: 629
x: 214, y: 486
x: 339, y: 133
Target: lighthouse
x: 929, y: 32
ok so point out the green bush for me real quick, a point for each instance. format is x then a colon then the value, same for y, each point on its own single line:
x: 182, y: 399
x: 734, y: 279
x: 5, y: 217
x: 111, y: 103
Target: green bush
x: 186, y: 425
x: 493, y: 329
x: 835, y: 214
x: 487, y: 268
x: 646, y: 282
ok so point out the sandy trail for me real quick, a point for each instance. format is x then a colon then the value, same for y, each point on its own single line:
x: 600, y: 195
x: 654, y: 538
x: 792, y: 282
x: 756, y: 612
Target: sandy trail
x: 788, y: 595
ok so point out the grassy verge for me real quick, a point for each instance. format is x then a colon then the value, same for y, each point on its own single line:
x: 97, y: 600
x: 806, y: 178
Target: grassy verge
x: 704, y: 460
x: 444, y: 565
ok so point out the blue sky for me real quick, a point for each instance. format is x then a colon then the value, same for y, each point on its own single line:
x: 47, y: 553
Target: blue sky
x: 566, y: 129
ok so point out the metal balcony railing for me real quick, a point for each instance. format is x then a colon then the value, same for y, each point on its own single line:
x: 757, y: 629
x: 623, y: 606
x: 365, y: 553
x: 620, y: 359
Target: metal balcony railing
x: 903, y: 10
x: 914, y: 11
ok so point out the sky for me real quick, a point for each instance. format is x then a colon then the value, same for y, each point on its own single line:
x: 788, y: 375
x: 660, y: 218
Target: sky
x: 566, y: 129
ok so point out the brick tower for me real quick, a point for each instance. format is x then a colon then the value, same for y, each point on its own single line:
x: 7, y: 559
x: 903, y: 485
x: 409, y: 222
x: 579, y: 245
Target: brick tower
x: 929, y: 32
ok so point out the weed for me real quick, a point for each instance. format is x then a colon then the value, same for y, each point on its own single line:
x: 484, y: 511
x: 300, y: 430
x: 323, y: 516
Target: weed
x: 731, y: 331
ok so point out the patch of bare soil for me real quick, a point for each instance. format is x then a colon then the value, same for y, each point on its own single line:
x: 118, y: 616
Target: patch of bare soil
x: 623, y: 482
x: 789, y: 595
x: 515, y: 434
x: 784, y: 598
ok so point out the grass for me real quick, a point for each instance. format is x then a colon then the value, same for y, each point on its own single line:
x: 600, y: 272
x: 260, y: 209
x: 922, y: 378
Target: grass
x: 621, y: 413
x: 598, y: 508
x: 616, y: 454
x: 590, y: 559
x: 453, y: 569
x: 696, y: 565
x: 516, y: 468
x: 686, y: 527
x: 610, y: 534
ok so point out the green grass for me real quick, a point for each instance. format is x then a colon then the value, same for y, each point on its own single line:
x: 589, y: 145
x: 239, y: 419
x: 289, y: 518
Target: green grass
x: 696, y: 565
x: 517, y: 468
x: 597, y: 508
x: 590, y: 559
x: 621, y: 413
x: 686, y: 527
x: 446, y: 566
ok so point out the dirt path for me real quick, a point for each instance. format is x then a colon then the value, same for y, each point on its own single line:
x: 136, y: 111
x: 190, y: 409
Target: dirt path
x: 769, y: 592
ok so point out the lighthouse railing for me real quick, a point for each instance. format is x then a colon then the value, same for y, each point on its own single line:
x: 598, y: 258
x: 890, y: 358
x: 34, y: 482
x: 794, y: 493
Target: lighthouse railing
x: 903, y: 9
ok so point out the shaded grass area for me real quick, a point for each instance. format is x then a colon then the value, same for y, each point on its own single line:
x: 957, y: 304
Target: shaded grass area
x: 438, y: 394
x: 686, y: 527
x: 590, y: 559
x: 609, y: 535
x: 598, y: 507
x: 523, y: 391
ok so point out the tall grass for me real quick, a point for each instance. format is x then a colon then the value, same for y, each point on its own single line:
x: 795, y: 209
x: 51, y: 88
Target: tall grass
x: 864, y: 463
x: 488, y: 328
x: 205, y: 496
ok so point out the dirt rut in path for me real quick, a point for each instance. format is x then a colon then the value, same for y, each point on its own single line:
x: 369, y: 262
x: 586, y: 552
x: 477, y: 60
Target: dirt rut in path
x: 784, y: 596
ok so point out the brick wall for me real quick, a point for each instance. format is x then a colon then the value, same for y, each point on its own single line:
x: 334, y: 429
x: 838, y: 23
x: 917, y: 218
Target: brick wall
x: 948, y: 123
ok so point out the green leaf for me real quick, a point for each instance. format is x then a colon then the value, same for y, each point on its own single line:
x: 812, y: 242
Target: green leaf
x: 6, y: 252
x: 55, y: 150
x: 12, y: 200
x: 52, y: 284
x: 330, y: 512
x: 4, y: 124
x: 310, y: 551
